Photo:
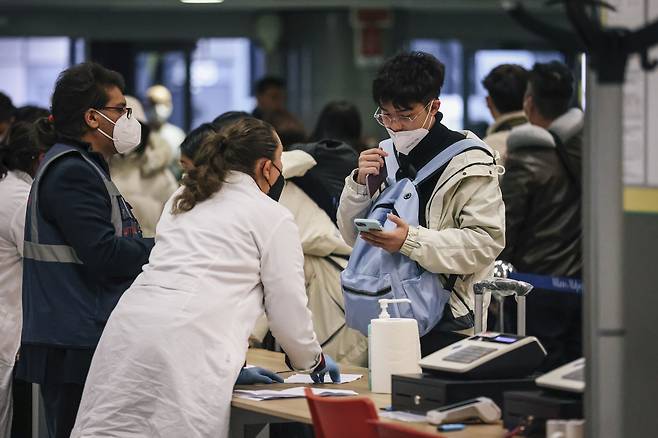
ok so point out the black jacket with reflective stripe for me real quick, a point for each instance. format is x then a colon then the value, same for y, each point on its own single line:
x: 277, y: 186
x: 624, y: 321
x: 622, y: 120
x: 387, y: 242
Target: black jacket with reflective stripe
x: 81, y: 249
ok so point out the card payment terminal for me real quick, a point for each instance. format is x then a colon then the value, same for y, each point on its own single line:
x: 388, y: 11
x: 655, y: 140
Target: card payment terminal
x: 488, y: 355
x: 569, y: 377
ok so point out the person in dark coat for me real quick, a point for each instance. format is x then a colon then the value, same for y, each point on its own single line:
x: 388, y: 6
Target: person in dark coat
x: 542, y: 193
x: 83, y: 246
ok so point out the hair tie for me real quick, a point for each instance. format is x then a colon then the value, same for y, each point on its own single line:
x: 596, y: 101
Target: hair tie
x: 51, y: 119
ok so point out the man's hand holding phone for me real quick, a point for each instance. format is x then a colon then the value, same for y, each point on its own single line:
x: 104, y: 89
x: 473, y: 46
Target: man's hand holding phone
x: 371, y: 162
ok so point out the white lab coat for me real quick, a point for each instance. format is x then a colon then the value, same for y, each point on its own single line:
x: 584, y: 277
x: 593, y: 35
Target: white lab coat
x: 14, y: 190
x: 173, y: 347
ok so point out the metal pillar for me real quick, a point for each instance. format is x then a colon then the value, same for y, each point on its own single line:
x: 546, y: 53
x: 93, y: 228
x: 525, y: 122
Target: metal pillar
x: 604, y: 325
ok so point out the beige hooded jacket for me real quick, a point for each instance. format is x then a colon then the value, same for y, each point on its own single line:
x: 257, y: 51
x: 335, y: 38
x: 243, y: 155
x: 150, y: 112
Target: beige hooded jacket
x: 465, y: 227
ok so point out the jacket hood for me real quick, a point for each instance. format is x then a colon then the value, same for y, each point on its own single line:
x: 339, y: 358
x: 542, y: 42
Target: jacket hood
x: 566, y: 127
x: 296, y: 163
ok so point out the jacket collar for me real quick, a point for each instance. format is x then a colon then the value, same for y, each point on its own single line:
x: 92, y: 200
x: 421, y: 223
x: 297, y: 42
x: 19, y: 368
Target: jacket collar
x: 296, y: 163
x: 507, y: 121
x: 565, y: 127
x: 23, y: 176
x: 86, y: 149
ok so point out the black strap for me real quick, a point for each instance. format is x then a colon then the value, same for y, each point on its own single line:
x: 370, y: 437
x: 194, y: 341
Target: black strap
x: 564, y: 158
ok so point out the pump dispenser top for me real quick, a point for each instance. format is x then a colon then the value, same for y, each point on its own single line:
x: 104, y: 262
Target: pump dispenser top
x: 383, y: 305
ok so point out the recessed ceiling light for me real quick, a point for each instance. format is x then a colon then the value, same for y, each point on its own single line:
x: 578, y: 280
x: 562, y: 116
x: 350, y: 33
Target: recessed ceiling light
x: 201, y: 1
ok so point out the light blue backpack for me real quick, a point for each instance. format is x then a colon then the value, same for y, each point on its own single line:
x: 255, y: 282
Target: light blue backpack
x: 373, y: 273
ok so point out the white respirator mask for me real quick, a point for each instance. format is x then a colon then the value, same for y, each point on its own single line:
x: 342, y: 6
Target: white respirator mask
x: 405, y: 141
x: 127, y: 133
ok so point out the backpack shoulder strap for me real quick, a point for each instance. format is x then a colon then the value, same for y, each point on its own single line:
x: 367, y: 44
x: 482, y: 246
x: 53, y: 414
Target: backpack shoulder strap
x: 448, y: 154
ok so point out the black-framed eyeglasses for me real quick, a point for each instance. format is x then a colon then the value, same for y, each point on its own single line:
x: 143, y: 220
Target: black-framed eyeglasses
x: 120, y: 109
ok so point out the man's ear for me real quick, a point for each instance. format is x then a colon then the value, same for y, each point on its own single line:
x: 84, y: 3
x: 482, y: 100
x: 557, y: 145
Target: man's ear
x: 91, y: 119
x: 436, y: 104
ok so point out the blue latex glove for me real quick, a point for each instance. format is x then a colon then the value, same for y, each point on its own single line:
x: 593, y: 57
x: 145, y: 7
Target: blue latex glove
x: 329, y: 367
x: 250, y: 376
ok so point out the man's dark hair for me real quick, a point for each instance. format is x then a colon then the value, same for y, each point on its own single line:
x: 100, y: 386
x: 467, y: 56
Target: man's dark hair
x: 288, y: 127
x: 30, y: 113
x: 77, y: 89
x: 506, y: 84
x: 551, y: 86
x: 268, y: 82
x: 338, y: 120
x: 408, y: 78
x: 6, y: 108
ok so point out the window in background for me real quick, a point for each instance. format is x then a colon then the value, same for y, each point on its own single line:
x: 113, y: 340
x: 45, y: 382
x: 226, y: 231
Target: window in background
x: 29, y: 68
x: 451, y: 54
x: 483, y: 62
x: 221, y: 78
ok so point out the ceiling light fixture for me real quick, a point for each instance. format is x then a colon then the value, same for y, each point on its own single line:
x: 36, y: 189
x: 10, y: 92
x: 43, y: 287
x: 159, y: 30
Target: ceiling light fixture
x: 201, y: 1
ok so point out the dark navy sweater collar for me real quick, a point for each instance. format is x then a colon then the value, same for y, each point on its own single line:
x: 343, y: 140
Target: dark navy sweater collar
x: 86, y: 148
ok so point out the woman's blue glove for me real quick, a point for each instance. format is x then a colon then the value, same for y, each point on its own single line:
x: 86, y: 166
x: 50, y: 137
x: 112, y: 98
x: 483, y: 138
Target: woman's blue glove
x: 329, y: 367
x: 250, y: 376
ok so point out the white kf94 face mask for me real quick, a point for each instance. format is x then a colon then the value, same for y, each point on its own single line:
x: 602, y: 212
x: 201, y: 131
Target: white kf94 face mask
x: 127, y: 133
x: 405, y: 141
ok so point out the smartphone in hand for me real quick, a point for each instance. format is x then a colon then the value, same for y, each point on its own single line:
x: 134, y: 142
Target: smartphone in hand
x: 367, y: 225
x: 374, y: 182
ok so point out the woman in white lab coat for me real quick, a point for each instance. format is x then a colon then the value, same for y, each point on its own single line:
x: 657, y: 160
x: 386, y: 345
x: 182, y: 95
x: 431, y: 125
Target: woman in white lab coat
x: 174, y: 345
x: 19, y: 159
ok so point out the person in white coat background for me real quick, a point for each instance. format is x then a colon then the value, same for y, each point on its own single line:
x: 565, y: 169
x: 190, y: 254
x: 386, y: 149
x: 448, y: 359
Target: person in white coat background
x: 19, y: 158
x: 225, y: 251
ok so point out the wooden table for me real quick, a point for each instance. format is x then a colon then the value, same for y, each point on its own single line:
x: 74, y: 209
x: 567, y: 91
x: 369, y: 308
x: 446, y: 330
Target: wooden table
x: 248, y: 417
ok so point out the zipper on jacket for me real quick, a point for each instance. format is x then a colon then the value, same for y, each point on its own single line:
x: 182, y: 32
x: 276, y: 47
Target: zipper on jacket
x: 366, y: 293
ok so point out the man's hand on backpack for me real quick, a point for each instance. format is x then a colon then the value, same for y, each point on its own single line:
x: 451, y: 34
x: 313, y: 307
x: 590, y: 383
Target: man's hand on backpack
x: 392, y: 240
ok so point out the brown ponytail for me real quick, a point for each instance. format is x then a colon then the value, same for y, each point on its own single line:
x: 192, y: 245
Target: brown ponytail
x: 236, y: 147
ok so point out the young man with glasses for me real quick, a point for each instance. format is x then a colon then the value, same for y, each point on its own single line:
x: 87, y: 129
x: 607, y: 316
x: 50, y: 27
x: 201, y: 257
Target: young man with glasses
x: 461, y: 214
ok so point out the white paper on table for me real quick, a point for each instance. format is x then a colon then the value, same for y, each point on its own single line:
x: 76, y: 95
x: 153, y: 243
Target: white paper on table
x: 306, y: 378
x: 297, y: 392
x: 403, y: 416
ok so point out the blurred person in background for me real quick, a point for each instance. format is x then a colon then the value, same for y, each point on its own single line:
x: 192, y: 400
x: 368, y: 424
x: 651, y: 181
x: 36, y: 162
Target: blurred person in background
x: 270, y: 94
x: 20, y: 155
x: 7, y: 110
x: 159, y: 106
x: 290, y: 129
x: 143, y: 175
x: 334, y: 160
x: 339, y: 120
x: 543, y: 207
x: 506, y: 85
x: 82, y: 245
x: 30, y: 113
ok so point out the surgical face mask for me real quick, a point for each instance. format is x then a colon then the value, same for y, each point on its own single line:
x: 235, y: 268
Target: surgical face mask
x: 405, y: 141
x: 127, y: 133
x: 160, y: 112
x: 277, y: 188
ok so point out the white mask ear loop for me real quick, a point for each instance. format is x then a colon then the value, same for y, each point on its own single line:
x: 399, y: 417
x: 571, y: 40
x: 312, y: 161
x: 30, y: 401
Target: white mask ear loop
x: 429, y: 113
x: 109, y: 120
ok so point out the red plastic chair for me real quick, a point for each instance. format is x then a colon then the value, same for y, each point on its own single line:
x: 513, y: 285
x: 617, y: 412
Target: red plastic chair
x: 341, y: 417
x: 392, y: 430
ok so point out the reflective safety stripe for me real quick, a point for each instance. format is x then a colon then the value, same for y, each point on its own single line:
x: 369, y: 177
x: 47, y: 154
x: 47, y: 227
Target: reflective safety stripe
x: 50, y: 253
